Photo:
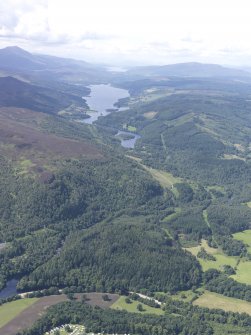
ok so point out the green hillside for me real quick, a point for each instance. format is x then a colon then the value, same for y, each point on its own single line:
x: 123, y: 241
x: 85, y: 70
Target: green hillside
x: 169, y: 219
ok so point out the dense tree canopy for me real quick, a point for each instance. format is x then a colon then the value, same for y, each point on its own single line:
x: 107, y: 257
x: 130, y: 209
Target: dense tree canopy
x: 122, y: 255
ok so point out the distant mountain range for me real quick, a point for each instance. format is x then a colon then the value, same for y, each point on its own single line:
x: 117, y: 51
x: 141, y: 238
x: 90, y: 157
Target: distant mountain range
x: 14, y: 60
x: 51, y: 84
x: 192, y: 69
x: 34, y: 67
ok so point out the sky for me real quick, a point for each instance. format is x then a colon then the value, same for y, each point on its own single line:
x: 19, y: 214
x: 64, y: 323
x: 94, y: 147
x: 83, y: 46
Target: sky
x: 122, y: 32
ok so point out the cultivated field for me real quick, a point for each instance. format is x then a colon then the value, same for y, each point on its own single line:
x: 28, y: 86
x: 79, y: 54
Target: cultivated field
x: 21, y: 314
x: 214, y: 300
x: 10, y: 310
x: 30, y: 312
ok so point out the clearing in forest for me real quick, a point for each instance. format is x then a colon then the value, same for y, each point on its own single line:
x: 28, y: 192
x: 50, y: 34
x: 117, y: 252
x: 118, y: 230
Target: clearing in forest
x: 221, y: 258
x: 131, y: 307
x: 215, y: 300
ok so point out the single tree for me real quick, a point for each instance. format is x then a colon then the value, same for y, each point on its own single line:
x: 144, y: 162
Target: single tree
x: 140, y: 308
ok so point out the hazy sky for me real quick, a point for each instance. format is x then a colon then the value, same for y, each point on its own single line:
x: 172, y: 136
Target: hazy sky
x: 114, y: 31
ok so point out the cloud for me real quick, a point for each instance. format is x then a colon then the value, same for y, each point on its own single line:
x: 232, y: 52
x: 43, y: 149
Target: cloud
x: 151, y: 31
x: 29, y: 21
x: 23, y: 19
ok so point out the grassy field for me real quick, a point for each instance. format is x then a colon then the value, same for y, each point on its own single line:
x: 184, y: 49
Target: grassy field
x: 129, y: 128
x: 173, y: 215
x: 120, y: 304
x: 185, y: 296
x: 215, y: 188
x: 166, y: 179
x: 245, y: 237
x: 151, y: 96
x: 221, y: 258
x: 243, y: 269
x: 10, y: 310
x: 214, y: 300
x: 243, y: 272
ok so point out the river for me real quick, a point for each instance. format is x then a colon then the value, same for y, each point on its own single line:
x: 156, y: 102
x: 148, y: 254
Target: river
x: 101, y: 101
x: 10, y: 289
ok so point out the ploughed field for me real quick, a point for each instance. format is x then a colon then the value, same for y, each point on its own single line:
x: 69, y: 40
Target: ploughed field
x: 21, y: 314
x: 28, y: 315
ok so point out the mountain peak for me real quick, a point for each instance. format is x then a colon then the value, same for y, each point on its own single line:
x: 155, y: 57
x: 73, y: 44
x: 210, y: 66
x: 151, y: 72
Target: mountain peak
x: 14, y: 57
x: 15, y: 50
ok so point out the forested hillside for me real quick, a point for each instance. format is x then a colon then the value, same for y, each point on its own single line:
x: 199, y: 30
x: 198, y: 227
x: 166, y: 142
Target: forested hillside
x: 76, y: 193
x: 197, y: 129
x: 126, y: 254
x: 169, y: 217
x: 16, y: 93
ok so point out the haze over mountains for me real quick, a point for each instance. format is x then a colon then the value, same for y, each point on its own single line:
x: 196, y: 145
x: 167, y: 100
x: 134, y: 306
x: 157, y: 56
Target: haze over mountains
x: 44, y: 83
x: 17, y: 61
x: 14, y: 58
x: 190, y: 70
